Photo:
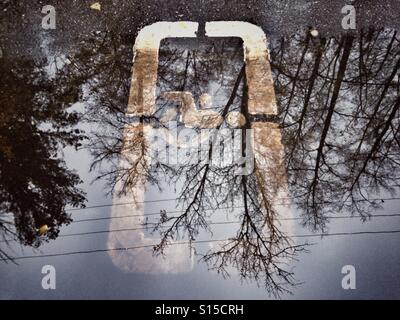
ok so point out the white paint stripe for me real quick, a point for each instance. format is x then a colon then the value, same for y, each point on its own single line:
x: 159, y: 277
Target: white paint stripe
x: 261, y: 94
x: 142, y: 102
x: 142, y: 96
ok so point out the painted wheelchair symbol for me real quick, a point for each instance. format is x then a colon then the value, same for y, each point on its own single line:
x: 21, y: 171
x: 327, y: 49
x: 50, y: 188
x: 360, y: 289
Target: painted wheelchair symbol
x: 261, y: 95
x: 267, y: 146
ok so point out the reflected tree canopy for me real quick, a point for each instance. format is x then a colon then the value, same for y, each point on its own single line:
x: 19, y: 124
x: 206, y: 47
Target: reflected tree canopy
x: 338, y: 100
x: 35, y: 184
x: 339, y: 107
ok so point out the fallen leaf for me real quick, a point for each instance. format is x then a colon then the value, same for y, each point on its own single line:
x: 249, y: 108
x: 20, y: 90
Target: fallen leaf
x: 43, y: 229
x: 96, y: 6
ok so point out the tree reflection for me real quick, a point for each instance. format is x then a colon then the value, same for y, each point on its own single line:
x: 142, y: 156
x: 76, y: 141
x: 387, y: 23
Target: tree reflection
x: 35, y: 184
x: 260, y: 249
x: 338, y: 101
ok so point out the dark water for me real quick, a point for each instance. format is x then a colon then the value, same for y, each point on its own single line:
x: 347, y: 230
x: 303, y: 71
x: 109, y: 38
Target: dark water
x: 62, y: 122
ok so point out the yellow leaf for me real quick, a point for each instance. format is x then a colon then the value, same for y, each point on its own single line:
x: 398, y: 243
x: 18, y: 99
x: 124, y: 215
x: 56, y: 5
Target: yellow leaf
x: 96, y: 6
x: 43, y: 229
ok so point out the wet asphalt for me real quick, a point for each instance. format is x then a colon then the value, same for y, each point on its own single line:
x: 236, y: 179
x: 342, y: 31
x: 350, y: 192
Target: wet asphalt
x: 21, y: 32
